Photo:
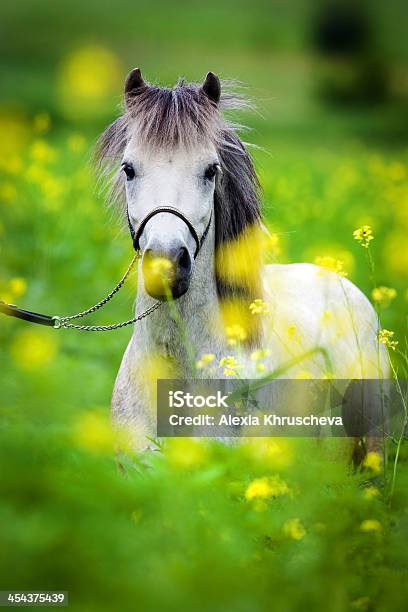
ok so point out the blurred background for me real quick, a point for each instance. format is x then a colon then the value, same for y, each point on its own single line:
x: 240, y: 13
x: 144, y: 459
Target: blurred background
x: 330, y: 81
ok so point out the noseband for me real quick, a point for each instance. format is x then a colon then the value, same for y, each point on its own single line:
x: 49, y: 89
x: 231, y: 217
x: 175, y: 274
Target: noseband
x: 136, y: 233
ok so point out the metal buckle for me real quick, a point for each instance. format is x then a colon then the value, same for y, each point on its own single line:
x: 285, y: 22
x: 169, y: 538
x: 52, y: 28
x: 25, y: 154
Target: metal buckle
x: 57, y: 322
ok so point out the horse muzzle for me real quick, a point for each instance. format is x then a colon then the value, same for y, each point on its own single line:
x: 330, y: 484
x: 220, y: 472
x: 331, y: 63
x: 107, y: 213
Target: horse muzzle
x: 166, y: 272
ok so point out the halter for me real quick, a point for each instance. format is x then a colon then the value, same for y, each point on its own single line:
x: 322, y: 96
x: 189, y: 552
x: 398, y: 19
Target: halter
x: 56, y: 322
x: 136, y: 234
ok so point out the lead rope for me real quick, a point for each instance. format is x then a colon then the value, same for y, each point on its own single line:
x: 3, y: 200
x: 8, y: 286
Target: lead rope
x: 63, y: 322
x: 57, y: 322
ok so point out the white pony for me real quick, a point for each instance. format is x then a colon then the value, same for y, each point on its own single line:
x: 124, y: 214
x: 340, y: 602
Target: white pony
x: 192, y: 202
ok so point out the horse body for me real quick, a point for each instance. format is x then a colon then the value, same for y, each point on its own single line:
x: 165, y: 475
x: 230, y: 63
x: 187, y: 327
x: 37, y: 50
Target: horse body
x: 191, y: 197
x: 309, y: 309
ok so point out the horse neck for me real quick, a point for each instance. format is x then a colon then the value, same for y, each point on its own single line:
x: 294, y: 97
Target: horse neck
x: 186, y: 328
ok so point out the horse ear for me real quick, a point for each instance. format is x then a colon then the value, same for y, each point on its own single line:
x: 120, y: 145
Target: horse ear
x: 134, y: 82
x: 212, y: 87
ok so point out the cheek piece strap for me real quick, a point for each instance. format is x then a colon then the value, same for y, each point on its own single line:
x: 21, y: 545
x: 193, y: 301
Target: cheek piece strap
x: 136, y: 233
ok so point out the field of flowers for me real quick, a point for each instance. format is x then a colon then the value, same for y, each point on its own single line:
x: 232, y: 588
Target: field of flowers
x: 274, y: 521
x: 279, y: 523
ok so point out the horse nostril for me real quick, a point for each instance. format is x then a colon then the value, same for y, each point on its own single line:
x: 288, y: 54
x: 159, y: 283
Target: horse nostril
x: 183, y: 259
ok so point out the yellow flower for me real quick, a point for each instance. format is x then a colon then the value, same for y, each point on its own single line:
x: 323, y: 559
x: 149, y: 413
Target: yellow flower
x: 371, y: 525
x: 304, y: 375
x: 385, y: 336
x: 260, y: 354
x: 235, y: 334
x: 266, y: 487
x: 331, y: 264
x: 17, y: 286
x: 258, y: 306
x: 87, y: 80
x: 370, y: 492
x: 373, y: 461
x: 273, y: 453
x: 294, y: 529
x: 93, y: 432
x: 42, y: 152
x: 186, y: 452
x: 160, y: 265
x: 363, y: 235
x: 327, y: 317
x: 159, y: 273
x: 205, y: 360
x: 383, y: 295
x: 33, y: 348
x: 292, y: 330
x: 272, y: 244
x: 230, y: 365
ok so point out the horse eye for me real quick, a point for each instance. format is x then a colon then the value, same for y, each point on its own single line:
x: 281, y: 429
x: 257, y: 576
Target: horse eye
x: 211, y: 171
x: 129, y: 171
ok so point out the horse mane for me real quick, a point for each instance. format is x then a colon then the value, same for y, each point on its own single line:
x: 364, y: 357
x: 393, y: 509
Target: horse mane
x: 183, y: 117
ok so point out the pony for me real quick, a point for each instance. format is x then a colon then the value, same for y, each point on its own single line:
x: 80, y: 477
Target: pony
x: 187, y: 186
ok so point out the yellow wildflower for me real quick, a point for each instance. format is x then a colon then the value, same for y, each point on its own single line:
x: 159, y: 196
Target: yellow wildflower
x: 294, y: 529
x: 42, y: 152
x: 185, y: 453
x: 18, y: 286
x: 266, y: 487
x: 373, y: 461
x: 87, y: 79
x: 260, y: 354
x: 258, y: 306
x: 93, y: 432
x: 383, y: 295
x: 273, y: 453
x: 385, y: 336
x: 304, y: 375
x: 160, y: 265
x: 33, y: 348
x: 363, y: 235
x: 327, y: 317
x: 331, y: 264
x: 292, y: 330
x: 235, y: 334
x: 272, y: 244
x: 371, y: 525
x: 230, y: 365
x: 205, y: 360
x: 370, y: 492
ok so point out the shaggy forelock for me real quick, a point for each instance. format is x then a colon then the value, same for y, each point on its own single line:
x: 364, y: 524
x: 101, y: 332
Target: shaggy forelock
x: 183, y: 117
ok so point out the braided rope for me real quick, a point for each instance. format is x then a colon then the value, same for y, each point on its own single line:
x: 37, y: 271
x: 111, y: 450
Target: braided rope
x: 114, y: 325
